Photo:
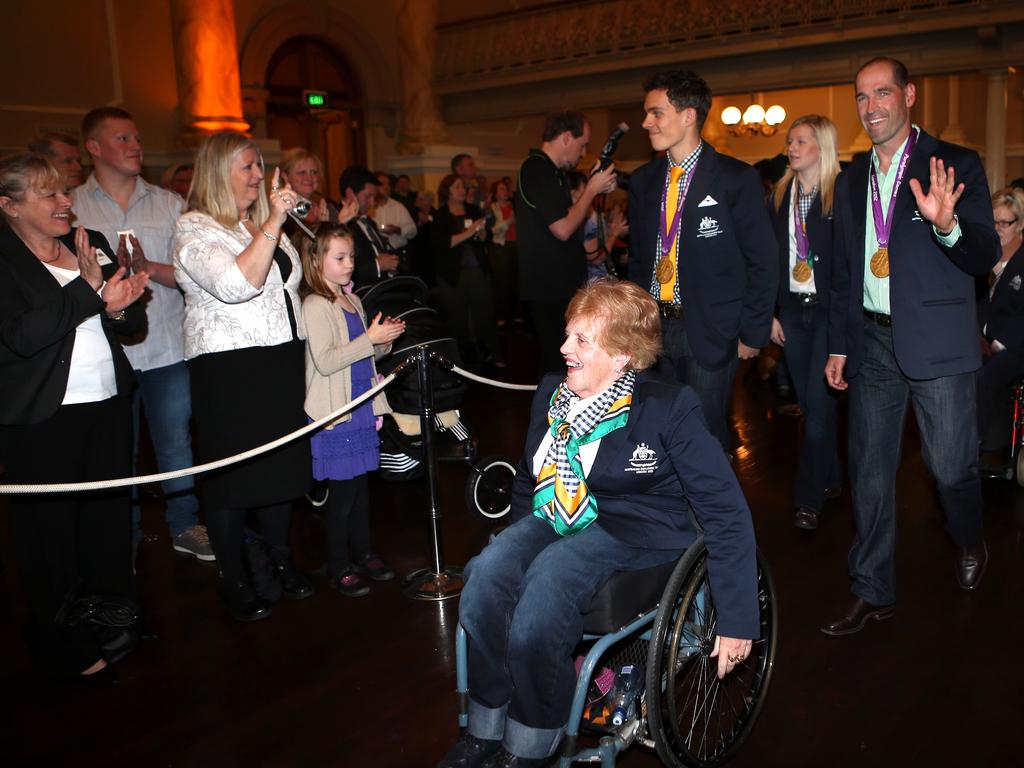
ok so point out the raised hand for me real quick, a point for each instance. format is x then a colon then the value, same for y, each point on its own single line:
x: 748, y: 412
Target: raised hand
x: 282, y: 198
x: 88, y: 264
x: 385, y: 329
x: 349, y: 209
x: 943, y: 193
x: 121, y: 291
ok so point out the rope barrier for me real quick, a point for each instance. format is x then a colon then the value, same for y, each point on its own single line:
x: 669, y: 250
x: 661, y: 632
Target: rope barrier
x: 491, y: 382
x: 98, y: 485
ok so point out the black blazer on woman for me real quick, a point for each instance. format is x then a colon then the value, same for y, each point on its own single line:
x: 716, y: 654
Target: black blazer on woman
x: 819, y: 232
x: 448, y: 260
x: 1002, y: 316
x: 38, y: 319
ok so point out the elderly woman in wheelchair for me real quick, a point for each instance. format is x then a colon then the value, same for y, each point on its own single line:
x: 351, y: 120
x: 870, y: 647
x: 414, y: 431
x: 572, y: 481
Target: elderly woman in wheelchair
x: 616, y: 465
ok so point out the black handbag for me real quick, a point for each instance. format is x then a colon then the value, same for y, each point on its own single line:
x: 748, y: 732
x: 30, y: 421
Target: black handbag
x: 113, y: 620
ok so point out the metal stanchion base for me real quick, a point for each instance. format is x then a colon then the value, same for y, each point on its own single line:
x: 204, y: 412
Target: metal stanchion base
x: 425, y: 584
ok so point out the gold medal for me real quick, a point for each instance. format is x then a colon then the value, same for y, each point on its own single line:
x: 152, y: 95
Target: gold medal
x: 880, y: 262
x: 665, y: 270
x: 801, y: 272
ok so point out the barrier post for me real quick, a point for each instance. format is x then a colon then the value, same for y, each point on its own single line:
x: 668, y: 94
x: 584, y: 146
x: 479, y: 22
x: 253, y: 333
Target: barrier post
x: 440, y: 583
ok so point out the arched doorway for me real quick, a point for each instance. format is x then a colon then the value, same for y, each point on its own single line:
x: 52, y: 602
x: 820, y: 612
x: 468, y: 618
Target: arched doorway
x: 335, y: 131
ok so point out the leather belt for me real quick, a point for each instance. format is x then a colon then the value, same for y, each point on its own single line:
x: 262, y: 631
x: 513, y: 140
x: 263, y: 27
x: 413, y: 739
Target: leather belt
x: 670, y: 310
x: 807, y: 299
x: 878, y: 318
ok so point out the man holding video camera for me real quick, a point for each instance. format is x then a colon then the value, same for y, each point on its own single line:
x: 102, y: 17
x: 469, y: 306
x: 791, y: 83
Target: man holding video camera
x: 703, y: 245
x: 553, y: 264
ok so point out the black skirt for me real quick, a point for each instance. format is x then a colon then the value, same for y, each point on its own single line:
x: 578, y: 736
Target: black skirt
x: 242, y: 399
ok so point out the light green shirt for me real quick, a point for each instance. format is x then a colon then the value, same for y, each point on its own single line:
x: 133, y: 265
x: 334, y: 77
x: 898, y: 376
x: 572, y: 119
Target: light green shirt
x: 876, y: 289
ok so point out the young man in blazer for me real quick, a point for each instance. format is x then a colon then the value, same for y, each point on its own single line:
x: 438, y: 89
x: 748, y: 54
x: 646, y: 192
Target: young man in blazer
x: 373, y: 259
x: 913, y: 226
x: 703, y: 245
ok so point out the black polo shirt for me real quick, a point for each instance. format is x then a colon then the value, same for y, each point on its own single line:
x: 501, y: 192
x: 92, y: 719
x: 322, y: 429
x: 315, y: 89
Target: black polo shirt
x: 549, y: 269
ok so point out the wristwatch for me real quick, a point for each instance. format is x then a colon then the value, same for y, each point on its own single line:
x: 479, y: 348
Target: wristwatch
x: 956, y: 221
x: 119, y: 315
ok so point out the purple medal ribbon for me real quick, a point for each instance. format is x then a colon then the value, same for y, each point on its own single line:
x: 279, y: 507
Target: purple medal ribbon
x: 803, y: 243
x: 884, y: 226
x: 668, y: 235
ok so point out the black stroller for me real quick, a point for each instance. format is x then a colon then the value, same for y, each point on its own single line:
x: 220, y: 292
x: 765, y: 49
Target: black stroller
x: 489, y: 485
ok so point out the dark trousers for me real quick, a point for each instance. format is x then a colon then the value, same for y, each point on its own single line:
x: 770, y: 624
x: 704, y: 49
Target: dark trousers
x: 470, y: 309
x: 549, y: 323
x: 806, y: 330
x: 945, y: 411
x: 523, y: 610
x: 226, y: 528
x: 348, y: 524
x: 506, y: 280
x: 995, y: 380
x: 71, y: 542
x: 713, y: 386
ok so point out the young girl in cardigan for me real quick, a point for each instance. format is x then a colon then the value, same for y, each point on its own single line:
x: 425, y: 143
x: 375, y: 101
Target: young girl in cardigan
x: 340, y: 350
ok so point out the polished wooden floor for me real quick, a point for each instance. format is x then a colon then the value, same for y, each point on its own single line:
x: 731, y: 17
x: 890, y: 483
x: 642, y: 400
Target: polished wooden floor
x: 333, y: 681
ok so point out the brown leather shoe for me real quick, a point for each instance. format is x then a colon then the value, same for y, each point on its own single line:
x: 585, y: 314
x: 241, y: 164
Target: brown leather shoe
x: 805, y: 518
x: 857, y: 616
x: 970, y: 564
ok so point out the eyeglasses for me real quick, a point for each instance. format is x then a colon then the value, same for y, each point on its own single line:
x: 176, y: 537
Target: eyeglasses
x: 1004, y: 223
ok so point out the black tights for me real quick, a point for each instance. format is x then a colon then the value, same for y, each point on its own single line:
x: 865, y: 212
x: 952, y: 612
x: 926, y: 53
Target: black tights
x: 227, y: 535
x: 348, y: 523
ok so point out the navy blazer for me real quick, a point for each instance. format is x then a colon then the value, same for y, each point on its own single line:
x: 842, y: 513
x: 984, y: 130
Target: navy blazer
x: 38, y: 319
x: 648, y: 498
x: 931, y: 288
x: 819, y: 232
x: 729, y: 268
x: 1002, y: 316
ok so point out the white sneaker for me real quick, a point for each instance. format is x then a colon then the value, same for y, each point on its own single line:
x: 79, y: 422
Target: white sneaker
x: 194, y: 541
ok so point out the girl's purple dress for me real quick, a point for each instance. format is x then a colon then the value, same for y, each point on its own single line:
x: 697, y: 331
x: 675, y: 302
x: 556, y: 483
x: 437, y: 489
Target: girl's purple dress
x: 352, y: 448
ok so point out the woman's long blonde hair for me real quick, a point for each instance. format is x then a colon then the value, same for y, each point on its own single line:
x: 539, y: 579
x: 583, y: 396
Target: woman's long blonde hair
x: 211, y: 180
x: 828, y: 162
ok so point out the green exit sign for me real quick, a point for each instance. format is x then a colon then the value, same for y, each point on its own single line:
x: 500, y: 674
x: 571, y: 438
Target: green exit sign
x: 315, y: 98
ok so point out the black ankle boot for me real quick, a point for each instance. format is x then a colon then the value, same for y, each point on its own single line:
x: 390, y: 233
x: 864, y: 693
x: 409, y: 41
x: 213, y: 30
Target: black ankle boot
x: 294, y: 583
x: 241, y: 601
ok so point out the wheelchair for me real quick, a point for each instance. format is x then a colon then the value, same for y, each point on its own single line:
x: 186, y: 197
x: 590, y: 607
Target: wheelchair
x: 685, y: 713
x: 1014, y: 468
x: 1017, y: 433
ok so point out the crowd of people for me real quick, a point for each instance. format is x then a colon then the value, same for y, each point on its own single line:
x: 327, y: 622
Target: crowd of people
x: 221, y: 305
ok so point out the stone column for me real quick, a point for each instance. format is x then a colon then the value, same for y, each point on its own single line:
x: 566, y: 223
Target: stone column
x: 206, y: 60
x: 995, y: 129
x: 422, y: 124
x: 953, y: 132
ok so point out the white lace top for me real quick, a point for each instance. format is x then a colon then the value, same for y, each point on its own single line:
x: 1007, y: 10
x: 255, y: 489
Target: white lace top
x: 223, y: 310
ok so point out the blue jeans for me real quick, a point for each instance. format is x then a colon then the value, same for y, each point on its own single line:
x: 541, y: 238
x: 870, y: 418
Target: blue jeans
x: 806, y: 330
x: 522, y: 609
x: 945, y: 411
x: 166, y: 395
x: 713, y: 387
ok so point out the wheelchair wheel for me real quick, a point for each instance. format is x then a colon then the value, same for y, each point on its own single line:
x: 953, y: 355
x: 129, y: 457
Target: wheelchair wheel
x: 489, y: 487
x: 695, y: 719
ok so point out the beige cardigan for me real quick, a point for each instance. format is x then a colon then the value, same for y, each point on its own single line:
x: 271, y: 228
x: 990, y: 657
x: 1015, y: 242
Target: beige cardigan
x: 330, y: 355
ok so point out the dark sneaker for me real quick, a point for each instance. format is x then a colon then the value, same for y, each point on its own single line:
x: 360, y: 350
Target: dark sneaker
x: 349, y: 584
x: 194, y: 541
x: 470, y: 752
x: 373, y: 566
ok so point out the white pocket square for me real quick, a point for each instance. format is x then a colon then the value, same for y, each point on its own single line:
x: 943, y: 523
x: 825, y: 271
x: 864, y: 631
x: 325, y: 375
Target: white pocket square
x: 709, y: 200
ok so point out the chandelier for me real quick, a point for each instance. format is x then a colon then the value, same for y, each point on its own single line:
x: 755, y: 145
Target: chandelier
x: 754, y: 121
